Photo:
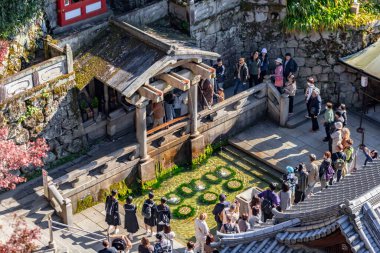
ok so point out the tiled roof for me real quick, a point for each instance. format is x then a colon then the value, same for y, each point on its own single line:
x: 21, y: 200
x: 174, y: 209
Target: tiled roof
x: 269, y: 245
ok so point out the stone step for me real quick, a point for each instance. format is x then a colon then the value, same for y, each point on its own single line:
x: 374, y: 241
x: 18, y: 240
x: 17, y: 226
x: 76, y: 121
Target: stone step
x: 253, y: 162
x: 299, y: 99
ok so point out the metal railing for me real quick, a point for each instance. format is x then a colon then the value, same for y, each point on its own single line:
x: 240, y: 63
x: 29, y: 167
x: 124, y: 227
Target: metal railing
x: 60, y: 227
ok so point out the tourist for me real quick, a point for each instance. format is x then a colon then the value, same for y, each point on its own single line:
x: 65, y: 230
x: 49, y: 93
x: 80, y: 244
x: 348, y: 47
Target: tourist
x: 264, y: 68
x: 338, y: 117
x: 112, y: 212
x: 220, y: 95
x: 290, y: 89
x: 168, y: 234
x: 313, y: 173
x: 370, y: 155
x: 201, y: 232
x: 349, y: 151
x: 220, y: 70
x: 278, y: 75
x: 145, y: 246
x: 269, y: 200
x: 290, y: 66
x: 346, y: 135
x: 207, y: 94
x: 130, y: 224
x: 149, y: 213
x: 121, y: 243
x: 256, y: 203
x: 169, y: 106
x: 209, y: 240
x: 241, y: 74
x: 243, y: 223
x: 190, y: 247
x: 158, y: 112
x: 219, y: 209
x: 163, y: 215
x: 326, y: 172
x: 343, y: 111
x: 107, y: 248
x: 328, y: 119
x: 302, y: 184
x: 255, y: 219
x: 285, y: 196
x: 309, y: 90
x: 291, y: 179
x: 162, y: 245
x: 184, y: 103
x: 339, y: 161
x: 230, y: 227
x: 177, y: 104
x: 315, y: 109
x: 336, y: 136
x: 232, y: 211
x: 254, y: 64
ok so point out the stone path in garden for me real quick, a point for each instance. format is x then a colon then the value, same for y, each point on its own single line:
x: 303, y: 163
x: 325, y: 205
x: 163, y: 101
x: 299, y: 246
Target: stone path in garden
x: 280, y: 147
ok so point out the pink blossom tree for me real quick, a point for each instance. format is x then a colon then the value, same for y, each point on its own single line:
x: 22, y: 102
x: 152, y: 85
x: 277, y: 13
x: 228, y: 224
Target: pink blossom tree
x: 22, y: 239
x: 13, y: 157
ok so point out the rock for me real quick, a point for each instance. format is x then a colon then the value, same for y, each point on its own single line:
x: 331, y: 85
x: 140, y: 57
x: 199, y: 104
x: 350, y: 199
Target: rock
x: 323, y: 63
x: 317, y: 70
x: 29, y: 122
x: 213, y: 27
x: 22, y: 136
x: 51, y: 157
x: 304, y: 72
x: 339, y: 69
x: 300, y: 52
x: 327, y: 70
x: 330, y: 60
x: 323, y: 77
x: 310, y: 62
x: 292, y: 43
x: 249, y: 17
x: 300, y: 61
x: 314, y: 37
x: 52, y: 131
x: 70, y: 123
x: 75, y: 146
x: 300, y: 35
x: 65, y: 139
x: 16, y: 110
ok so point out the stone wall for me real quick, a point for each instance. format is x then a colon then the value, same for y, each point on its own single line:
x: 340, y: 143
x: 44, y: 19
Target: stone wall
x: 235, y: 28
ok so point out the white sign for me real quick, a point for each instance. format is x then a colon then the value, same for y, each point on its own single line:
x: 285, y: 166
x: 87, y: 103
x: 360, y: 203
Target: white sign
x: 364, y: 81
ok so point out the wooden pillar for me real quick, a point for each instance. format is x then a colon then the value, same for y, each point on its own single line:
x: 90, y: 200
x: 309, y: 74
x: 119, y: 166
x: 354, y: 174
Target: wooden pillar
x: 141, y: 131
x: 106, y: 100
x: 193, y: 106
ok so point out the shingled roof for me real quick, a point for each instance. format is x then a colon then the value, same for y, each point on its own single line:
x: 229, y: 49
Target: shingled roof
x: 125, y: 57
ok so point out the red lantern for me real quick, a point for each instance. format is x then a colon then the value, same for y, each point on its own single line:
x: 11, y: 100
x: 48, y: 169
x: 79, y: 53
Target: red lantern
x: 72, y: 11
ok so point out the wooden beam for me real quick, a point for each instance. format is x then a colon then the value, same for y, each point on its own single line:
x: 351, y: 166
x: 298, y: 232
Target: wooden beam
x: 151, y: 93
x: 200, y: 69
x: 134, y: 99
x: 176, y: 81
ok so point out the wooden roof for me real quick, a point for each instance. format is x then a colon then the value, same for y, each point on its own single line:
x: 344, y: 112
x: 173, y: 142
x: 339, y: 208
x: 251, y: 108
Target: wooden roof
x: 125, y: 58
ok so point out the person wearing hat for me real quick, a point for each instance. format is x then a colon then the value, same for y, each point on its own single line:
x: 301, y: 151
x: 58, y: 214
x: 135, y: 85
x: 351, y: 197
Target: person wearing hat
x: 336, y: 136
x: 290, y: 66
x: 278, y: 75
x: 218, y: 210
x: 309, y: 90
x: 313, y: 174
x: 148, y: 211
x: 112, y: 212
x: 130, y: 221
x: 241, y: 74
x: 163, y: 215
x: 264, y: 64
x: 315, y: 109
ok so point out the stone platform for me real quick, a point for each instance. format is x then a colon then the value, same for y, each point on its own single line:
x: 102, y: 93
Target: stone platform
x: 279, y: 147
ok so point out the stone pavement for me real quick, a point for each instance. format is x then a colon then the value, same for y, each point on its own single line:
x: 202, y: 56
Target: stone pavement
x: 280, y: 147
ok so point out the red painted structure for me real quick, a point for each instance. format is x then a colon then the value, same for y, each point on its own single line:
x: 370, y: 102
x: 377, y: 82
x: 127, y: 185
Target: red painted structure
x: 72, y: 11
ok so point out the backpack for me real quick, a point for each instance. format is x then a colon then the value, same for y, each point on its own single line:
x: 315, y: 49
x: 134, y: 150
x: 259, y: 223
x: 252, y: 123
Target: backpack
x: 351, y: 152
x: 339, y: 164
x: 163, y: 217
x: 159, y: 249
x: 267, y: 205
x: 119, y: 244
x: 231, y: 229
x: 146, y: 211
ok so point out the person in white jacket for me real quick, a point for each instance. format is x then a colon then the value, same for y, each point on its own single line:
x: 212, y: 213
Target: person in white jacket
x: 201, y: 232
x: 309, y: 90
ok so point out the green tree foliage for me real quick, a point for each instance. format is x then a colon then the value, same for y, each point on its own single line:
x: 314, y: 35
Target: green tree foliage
x: 318, y: 15
x: 17, y: 13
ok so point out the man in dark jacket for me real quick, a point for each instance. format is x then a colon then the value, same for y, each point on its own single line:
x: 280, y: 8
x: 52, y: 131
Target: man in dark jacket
x: 290, y: 66
x: 220, y: 75
x: 218, y: 209
x: 240, y: 75
x: 163, y: 215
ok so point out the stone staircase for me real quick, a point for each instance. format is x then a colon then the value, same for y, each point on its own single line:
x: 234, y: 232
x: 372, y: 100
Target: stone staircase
x: 299, y: 110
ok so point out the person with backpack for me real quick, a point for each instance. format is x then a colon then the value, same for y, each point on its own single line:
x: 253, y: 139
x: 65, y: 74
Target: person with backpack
x: 230, y: 227
x: 148, y: 211
x: 130, y: 221
x: 168, y: 234
x: 112, y: 212
x: 349, y: 151
x: 269, y: 200
x: 343, y: 111
x: 326, y: 171
x: 163, y: 215
x: 301, y: 186
x: 218, y: 210
x: 162, y: 245
x: 339, y: 161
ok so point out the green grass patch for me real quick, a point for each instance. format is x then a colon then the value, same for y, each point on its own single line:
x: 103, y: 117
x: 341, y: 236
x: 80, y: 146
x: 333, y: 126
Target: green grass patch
x: 233, y: 185
x: 184, y: 212
x: 185, y: 190
x: 211, y: 178
x: 208, y: 198
x: 225, y: 172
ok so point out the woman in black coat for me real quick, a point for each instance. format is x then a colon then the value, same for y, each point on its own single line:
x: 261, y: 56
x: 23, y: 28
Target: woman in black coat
x: 112, y: 212
x: 130, y: 223
x: 315, y: 109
